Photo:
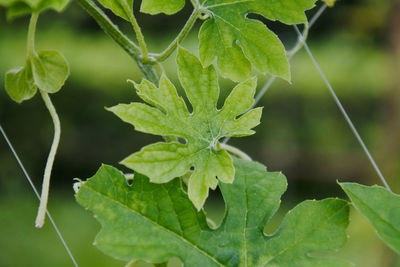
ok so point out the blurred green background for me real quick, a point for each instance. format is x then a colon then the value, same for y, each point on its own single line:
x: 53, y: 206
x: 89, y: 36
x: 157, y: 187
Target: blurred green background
x: 302, y: 134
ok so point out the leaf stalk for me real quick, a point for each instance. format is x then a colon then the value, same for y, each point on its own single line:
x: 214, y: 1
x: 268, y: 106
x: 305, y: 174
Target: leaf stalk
x: 138, y: 31
x: 235, y: 151
x: 31, y: 34
x: 179, y: 38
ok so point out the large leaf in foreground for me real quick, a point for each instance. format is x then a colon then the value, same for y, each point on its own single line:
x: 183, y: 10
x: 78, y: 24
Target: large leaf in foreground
x: 155, y: 222
x: 382, y: 209
x: 201, y: 129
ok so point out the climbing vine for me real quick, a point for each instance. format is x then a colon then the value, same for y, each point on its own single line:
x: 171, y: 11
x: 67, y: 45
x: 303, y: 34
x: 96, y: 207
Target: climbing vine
x: 159, y: 215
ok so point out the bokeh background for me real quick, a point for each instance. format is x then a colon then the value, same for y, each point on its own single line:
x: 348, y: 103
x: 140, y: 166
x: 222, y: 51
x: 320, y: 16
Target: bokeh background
x: 302, y: 134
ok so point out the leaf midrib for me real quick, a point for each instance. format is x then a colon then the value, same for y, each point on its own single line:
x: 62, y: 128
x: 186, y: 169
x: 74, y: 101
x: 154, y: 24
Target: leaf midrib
x: 205, y: 253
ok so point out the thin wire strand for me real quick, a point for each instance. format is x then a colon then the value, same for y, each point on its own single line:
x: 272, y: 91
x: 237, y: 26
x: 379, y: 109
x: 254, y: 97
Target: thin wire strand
x: 317, y: 15
x: 37, y: 195
x: 343, y: 111
x: 272, y: 79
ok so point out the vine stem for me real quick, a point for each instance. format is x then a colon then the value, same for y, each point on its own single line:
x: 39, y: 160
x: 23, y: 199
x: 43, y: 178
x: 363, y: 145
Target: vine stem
x: 235, y: 151
x: 138, y: 31
x: 121, y: 39
x: 140, y: 38
x: 182, y: 34
x: 31, y: 34
x: 50, y: 161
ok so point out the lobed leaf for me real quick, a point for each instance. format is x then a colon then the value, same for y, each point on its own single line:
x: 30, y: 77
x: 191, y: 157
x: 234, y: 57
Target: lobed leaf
x: 16, y: 8
x: 46, y: 70
x: 202, y: 129
x: 241, y: 44
x: 380, y: 207
x: 155, y: 222
x: 19, y: 84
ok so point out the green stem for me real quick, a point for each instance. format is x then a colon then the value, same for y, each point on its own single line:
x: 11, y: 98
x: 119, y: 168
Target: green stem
x: 163, y: 264
x: 182, y: 34
x: 111, y: 29
x: 235, y: 151
x: 50, y: 160
x: 139, y: 34
x: 31, y: 34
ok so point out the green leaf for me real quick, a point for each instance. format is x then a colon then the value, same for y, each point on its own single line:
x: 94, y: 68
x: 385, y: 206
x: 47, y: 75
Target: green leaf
x: 155, y: 222
x: 168, y: 7
x: 19, y: 84
x: 240, y: 44
x: 50, y: 70
x: 380, y: 207
x: 46, y: 70
x: 122, y: 8
x: 200, y: 129
x: 16, y: 8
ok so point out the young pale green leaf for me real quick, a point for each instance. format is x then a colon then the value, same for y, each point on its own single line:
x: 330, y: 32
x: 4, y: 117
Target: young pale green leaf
x: 240, y: 43
x: 168, y: 7
x: 19, y: 84
x: 122, y: 8
x: 46, y: 70
x: 201, y: 129
x: 155, y: 222
x: 380, y: 207
x: 16, y: 8
x: 50, y: 70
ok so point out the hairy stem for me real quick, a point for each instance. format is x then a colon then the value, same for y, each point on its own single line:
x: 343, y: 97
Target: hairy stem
x: 235, y: 151
x: 140, y: 38
x: 50, y: 160
x: 138, y: 31
x: 112, y: 30
x: 182, y: 34
x: 31, y: 34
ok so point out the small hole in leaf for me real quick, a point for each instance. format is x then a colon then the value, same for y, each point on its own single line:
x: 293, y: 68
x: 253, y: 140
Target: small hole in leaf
x: 182, y: 140
x: 129, y: 178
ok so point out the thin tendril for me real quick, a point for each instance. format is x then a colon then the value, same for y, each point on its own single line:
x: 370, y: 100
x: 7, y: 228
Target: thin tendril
x: 37, y: 195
